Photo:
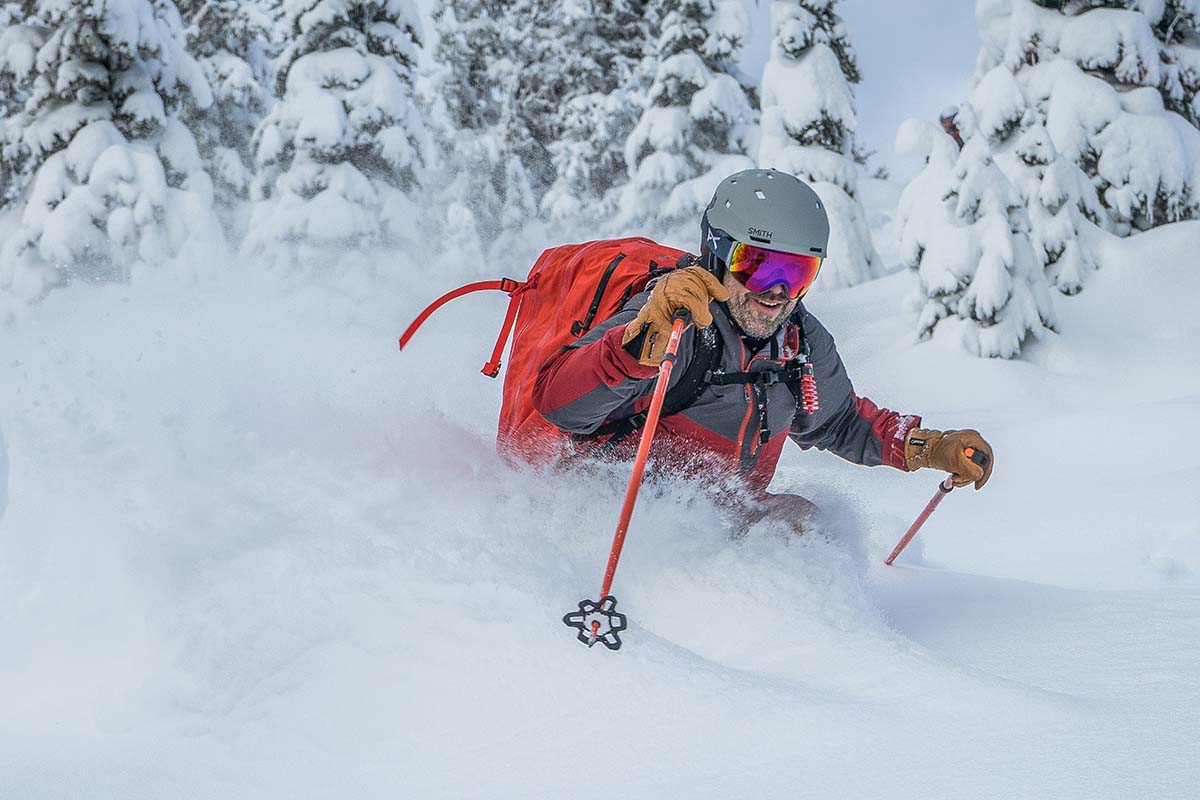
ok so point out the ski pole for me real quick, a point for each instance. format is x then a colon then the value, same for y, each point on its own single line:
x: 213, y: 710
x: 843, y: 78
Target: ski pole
x: 592, y: 616
x: 643, y: 453
x: 943, y: 489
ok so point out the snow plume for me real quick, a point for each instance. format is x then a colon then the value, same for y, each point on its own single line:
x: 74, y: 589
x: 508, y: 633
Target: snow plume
x: 965, y: 232
x: 808, y: 124
x: 250, y: 551
x: 696, y: 127
x: 116, y: 183
x: 341, y: 154
x: 292, y: 497
x: 1114, y: 89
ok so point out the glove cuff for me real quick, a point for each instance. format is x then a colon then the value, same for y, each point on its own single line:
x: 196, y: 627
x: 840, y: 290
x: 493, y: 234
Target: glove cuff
x: 919, y: 446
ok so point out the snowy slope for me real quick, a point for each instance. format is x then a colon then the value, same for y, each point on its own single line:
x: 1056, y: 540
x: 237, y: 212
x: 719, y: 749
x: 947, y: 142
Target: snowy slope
x: 252, y: 551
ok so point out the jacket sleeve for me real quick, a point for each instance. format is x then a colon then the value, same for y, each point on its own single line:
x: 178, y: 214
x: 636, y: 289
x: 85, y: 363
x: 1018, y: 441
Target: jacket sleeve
x: 595, y: 380
x: 847, y: 425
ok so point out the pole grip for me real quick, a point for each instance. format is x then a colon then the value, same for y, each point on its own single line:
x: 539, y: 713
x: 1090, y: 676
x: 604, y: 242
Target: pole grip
x: 978, y: 456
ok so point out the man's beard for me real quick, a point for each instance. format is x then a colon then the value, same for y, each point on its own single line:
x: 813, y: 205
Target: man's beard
x: 753, y: 319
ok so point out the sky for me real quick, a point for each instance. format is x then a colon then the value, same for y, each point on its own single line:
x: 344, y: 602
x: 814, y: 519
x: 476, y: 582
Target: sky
x: 916, y: 58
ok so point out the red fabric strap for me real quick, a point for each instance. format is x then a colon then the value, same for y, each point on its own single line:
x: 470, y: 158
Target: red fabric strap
x: 514, y: 289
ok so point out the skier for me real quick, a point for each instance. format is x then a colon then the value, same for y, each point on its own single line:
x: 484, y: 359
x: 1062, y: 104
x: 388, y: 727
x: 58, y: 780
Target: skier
x: 777, y: 371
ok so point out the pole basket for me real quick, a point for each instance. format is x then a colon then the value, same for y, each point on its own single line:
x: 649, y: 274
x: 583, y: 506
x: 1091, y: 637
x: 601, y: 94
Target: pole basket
x: 597, y: 622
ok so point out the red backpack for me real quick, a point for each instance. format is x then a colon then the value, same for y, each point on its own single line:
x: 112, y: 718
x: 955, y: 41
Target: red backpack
x: 569, y: 290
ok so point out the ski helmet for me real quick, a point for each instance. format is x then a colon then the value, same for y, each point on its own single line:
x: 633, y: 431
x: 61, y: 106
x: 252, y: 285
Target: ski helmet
x: 764, y: 208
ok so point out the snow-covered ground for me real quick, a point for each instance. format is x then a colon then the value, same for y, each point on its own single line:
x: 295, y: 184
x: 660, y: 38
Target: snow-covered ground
x: 252, y: 551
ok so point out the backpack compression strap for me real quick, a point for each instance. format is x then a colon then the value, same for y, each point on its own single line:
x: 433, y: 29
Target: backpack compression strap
x: 514, y: 289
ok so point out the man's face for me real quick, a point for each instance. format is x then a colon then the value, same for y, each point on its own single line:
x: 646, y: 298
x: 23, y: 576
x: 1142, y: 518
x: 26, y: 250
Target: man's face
x: 759, y: 314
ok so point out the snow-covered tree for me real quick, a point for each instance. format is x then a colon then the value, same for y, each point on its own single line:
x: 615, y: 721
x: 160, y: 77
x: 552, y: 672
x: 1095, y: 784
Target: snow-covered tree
x: 965, y: 232
x: 1099, y: 80
x: 229, y: 40
x: 17, y: 23
x: 808, y: 124
x: 116, y: 182
x: 1063, y: 208
x: 485, y: 140
x: 697, y: 126
x: 1174, y: 70
x: 341, y: 152
x: 601, y: 105
x: 1179, y: 31
x: 20, y: 38
x: 538, y: 99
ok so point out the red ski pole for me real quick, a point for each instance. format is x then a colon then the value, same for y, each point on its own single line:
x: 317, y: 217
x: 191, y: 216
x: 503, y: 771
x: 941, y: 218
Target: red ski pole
x: 592, y: 616
x: 943, y: 489
x: 643, y: 453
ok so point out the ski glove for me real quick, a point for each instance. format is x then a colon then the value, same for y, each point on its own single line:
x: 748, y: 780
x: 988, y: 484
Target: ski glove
x: 690, y: 289
x: 946, y: 450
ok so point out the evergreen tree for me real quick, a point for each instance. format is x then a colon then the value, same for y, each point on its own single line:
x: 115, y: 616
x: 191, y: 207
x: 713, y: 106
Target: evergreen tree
x: 596, y: 116
x: 340, y: 152
x: 21, y: 37
x: 965, y: 232
x: 1139, y: 28
x: 1063, y: 209
x: 116, y: 179
x: 697, y: 125
x: 229, y: 40
x: 1179, y: 31
x: 1103, y: 80
x: 808, y: 125
x: 538, y: 92
x: 485, y: 141
x: 18, y: 26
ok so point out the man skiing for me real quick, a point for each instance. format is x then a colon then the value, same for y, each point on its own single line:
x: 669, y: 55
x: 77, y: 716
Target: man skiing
x: 774, y: 372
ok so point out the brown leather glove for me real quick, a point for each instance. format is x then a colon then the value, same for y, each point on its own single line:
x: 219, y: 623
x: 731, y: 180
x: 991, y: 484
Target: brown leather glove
x: 690, y: 289
x: 947, y: 451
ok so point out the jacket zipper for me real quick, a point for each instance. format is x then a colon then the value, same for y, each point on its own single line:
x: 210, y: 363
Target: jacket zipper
x: 756, y: 407
x: 741, y: 440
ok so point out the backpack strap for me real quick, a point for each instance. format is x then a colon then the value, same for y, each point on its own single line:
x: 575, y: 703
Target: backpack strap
x: 514, y: 289
x: 706, y: 356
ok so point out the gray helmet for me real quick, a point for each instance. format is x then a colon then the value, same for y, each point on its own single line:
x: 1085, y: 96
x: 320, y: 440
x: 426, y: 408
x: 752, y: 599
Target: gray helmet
x: 766, y: 208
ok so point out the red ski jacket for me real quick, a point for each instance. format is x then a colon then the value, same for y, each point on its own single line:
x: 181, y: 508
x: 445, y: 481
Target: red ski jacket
x: 730, y: 430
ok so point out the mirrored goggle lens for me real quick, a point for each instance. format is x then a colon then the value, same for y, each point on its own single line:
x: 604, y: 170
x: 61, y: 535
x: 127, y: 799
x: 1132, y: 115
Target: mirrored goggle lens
x: 760, y: 269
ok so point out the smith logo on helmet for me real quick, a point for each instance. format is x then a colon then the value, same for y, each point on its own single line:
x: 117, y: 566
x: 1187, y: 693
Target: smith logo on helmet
x: 758, y: 234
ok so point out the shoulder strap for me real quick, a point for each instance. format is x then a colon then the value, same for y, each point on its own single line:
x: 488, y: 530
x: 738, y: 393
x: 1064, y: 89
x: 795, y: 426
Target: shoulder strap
x: 705, y: 358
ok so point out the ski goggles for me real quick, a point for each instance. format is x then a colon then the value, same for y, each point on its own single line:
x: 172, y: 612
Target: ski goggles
x: 759, y: 269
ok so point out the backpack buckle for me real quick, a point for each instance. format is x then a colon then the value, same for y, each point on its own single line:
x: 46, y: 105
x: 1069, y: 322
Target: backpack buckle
x: 769, y: 377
